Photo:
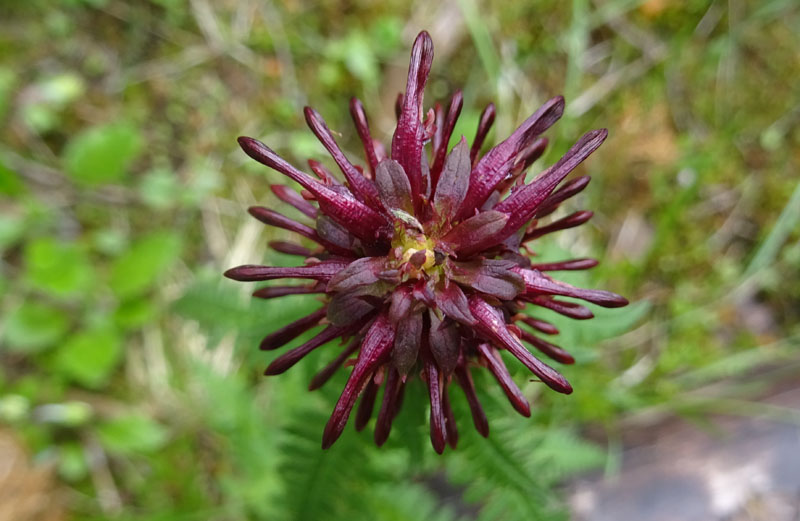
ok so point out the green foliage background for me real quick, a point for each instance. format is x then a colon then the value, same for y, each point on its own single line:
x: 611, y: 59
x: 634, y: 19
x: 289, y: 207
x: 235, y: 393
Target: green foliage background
x: 131, y: 368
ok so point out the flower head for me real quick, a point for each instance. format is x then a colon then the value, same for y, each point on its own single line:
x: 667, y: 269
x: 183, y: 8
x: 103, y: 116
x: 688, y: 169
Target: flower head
x: 419, y: 258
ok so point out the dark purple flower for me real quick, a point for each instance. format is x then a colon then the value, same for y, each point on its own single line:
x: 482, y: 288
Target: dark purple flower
x: 420, y: 257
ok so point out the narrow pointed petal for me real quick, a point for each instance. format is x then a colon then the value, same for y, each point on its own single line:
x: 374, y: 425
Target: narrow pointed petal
x: 291, y: 357
x: 361, y: 220
x: 444, y: 340
x: 438, y: 429
x: 529, y: 154
x: 358, y: 273
x: 493, y: 277
x: 475, y: 230
x: 367, y: 404
x: 273, y: 218
x: 321, y: 271
x: 389, y: 406
x: 537, y: 282
x: 326, y: 372
x: 291, y: 331
x: 450, y: 419
x: 408, y: 137
x: 393, y: 186
x: 551, y: 350
x: 492, y: 327
x: 568, y: 309
x: 478, y: 415
x: 325, y: 175
x: 362, y: 188
x: 406, y: 343
x: 569, y: 189
x: 440, y: 148
x: 501, y: 374
x: 362, y: 127
x: 375, y: 350
x: 522, y: 205
x: 567, y: 265
x: 570, y: 221
x: 450, y: 192
x: 539, y: 325
x: 290, y: 248
x: 484, y: 125
x: 282, y: 291
x: 492, y: 168
x: 289, y: 196
x: 453, y: 303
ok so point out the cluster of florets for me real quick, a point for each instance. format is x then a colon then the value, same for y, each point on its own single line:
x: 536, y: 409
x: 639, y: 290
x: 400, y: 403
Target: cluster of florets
x: 420, y: 259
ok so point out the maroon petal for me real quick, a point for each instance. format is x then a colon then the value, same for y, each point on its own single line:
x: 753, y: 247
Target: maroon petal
x: 393, y: 186
x: 325, y: 175
x: 291, y: 331
x: 367, y: 404
x: 438, y: 429
x: 362, y: 188
x: 523, y: 203
x: 454, y: 182
x: 290, y: 248
x: 474, y: 230
x: 361, y: 220
x: 484, y: 125
x: 492, y: 327
x: 440, y: 148
x: 537, y: 282
x: 478, y: 416
x: 402, y: 299
x: 529, y: 154
x: 567, y: 265
x: 358, y: 273
x: 273, y: 218
x: 570, y: 221
x: 500, y: 372
x: 389, y: 405
x: 569, y: 189
x: 375, y: 350
x: 321, y: 271
x: 326, y: 372
x: 362, y: 127
x: 289, y: 196
x: 568, y: 309
x: 406, y: 343
x: 282, y: 291
x: 453, y: 303
x: 490, y: 276
x: 495, y: 165
x: 291, y: 357
x: 450, y: 419
x: 540, y: 325
x: 553, y: 351
x: 408, y: 137
x: 444, y: 340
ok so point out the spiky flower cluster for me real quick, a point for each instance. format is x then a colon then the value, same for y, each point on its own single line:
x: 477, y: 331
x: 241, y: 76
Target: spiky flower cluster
x: 418, y: 258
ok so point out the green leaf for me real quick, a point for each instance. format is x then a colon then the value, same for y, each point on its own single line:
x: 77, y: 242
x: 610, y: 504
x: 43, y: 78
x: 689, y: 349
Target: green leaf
x: 137, y: 270
x: 102, y: 154
x: 132, y: 433
x: 90, y: 357
x: 33, y: 326
x: 10, y: 183
x: 57, y: 267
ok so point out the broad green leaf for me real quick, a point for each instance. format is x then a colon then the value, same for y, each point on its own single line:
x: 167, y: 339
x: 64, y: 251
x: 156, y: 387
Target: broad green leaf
x: 89, y: 357
x: 102, y: 154
x: 140, y: 267
x: 57, y: 267
x: 33, y: 326
x: 134, y: 313
x: 132, y: 433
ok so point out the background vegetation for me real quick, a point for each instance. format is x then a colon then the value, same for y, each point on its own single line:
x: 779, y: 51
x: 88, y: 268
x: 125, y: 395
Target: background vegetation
x: 130, y: 370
